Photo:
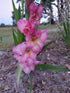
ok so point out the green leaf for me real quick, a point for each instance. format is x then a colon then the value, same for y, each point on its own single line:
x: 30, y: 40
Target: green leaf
x: 48, y: 45
x: 15, y: 11
x: 21, y: 37
x: 50, y: 68
x: 68, y: 28
x: 65, y: 29
x: 15, y: 38
x: 19, y: 70
x: 22, y: 3
x: 36, y: 27
x: 32, y: 1
x: 19, y: 12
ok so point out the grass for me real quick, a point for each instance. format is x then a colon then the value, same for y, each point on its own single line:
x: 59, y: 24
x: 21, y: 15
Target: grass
x: 47, y: 26
x: 6, y: 37
x: 6, y: 31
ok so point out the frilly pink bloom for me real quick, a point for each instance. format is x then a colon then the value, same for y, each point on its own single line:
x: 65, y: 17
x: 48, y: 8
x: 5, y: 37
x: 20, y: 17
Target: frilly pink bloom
x: 29, y: 65
x: 28, y: 2
x: 35, y: 13
x: 24, y: 49
x: 37, y: 40
x: 26, y: 27
x: 26, y: 57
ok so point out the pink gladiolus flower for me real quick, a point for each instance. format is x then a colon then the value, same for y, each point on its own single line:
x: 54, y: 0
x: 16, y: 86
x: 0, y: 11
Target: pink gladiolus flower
x: 26, y: 57
x: 35, y: 13
x: 37, y: 40
x: 26, y: 27
x: 29, y: 65
x: 24, y: 49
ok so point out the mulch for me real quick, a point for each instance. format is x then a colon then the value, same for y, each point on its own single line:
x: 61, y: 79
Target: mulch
x: 43, y: 81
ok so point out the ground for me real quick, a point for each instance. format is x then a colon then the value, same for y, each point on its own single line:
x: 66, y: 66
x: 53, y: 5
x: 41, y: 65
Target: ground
x: 56, y: 53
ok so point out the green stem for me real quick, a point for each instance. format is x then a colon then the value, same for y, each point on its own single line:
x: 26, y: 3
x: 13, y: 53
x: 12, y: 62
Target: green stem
x: 30, y: 83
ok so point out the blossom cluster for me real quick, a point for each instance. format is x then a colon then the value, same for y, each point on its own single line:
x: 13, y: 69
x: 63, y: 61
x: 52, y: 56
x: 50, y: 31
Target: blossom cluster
x: 26, y: 52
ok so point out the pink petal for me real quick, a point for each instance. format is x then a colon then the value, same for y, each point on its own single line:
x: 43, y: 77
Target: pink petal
x: 30, y: 62
x: 33, y: 7
x: 21, y: 24
x: 37, y: 48
x: 17, y: 50
x: 28, y: 37
x: 37, y: 62
x: 27, y: 70
x: 24, y: 58
x: 43, y: 36
x: 37, y: 22
x: 32, y: 67
x: 26, y: 27
x: 20, y: 49
x: 23, y: 65
x: 35, y: 13
x: 18, y: 58
x: 40, y: 10
x: 39, y: 42
x: 33, y: 56
x: 38, y: 33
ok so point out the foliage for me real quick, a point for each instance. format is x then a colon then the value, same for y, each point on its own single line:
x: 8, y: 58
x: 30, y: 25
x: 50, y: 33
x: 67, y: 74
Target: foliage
x: 66, y: 26
x: 18, y: 36
x: 66, y: 35
x: 18, y: 15
x: 50, y: 68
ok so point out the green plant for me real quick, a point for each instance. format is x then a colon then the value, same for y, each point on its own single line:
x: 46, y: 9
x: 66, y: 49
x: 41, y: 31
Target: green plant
x: 66, y: 35
x: 19, y: 38
x: 66, y: 26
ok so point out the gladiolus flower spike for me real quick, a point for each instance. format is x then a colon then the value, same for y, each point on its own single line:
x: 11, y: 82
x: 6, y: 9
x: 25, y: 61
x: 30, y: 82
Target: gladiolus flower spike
x: 26, y: 52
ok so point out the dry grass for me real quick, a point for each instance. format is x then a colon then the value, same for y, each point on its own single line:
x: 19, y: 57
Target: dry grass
x: 6, y: 38
x: 47, y: 26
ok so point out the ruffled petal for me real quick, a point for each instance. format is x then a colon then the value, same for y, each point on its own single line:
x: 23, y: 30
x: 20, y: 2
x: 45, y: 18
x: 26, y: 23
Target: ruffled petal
x: 36, y: 48
x: 37, y: 62
x: 30, y: 62
x: 20, y: 49
x: 43, y: 36
x: 35, y: 13
x: 21, y: 24
x: 40, y: 10
x: 27, y: 70
x: 37, y: 22
x: 17, y: 57
x: 32, y: 67
x: 32, y: 7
